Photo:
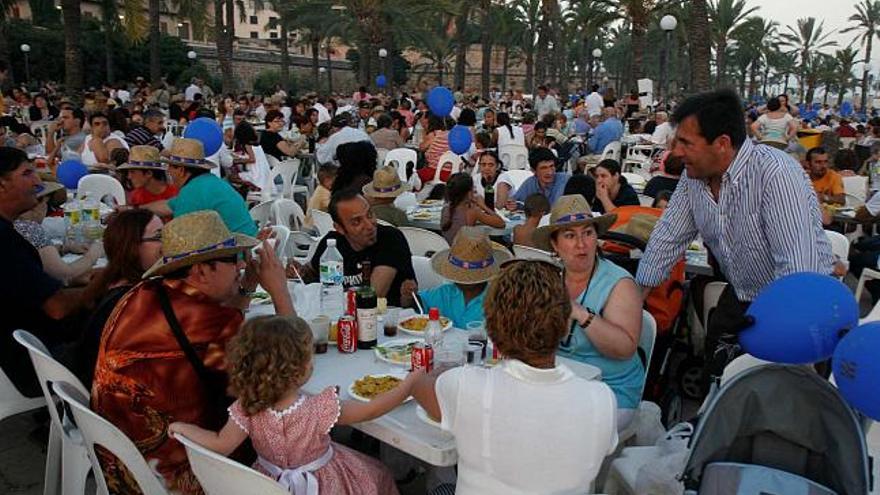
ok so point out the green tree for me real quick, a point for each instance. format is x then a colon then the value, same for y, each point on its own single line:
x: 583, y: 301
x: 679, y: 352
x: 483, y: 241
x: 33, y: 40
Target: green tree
x: 699, y: 36
x: 806, y: 38
x: 867, y: 23
x: 726, y: 16
x: 844, y: 61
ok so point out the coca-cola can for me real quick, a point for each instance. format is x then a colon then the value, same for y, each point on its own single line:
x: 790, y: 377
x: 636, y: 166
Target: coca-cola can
x: 346, y: 334
x: 351, y: 302
x: 422, y: 357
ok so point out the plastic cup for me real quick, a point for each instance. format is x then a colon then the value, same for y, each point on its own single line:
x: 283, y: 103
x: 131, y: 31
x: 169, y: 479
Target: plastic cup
x: 320, y: 326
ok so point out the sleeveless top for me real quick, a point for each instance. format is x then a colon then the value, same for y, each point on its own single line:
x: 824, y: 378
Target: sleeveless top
x: 459, y: 220
x: 625, y: 377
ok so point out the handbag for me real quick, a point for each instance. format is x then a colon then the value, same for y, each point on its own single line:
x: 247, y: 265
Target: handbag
x: 213, y: 382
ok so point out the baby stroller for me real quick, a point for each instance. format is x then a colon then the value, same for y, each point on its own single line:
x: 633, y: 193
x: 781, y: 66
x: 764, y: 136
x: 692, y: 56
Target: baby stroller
x: 778, y: 429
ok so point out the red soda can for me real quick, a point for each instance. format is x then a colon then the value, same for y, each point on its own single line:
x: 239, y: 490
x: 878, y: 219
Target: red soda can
x: 346, y: 335
x: 351, y: 302
x: 422, y: 357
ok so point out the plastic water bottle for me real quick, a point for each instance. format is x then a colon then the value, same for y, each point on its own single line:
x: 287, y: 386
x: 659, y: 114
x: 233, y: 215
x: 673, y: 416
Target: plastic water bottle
x: 332, y: 292
x: 73, y: 221
x: 434, y: 332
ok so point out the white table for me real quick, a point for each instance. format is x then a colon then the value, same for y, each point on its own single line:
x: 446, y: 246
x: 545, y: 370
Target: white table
x: 433, y: 223
x: 401, y: 428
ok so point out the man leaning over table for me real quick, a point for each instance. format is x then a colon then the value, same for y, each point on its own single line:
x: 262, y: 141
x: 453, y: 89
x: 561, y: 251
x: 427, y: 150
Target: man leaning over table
x: 753, y: 206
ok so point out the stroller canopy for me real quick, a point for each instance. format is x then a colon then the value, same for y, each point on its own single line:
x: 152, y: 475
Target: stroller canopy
x: 787, y: 418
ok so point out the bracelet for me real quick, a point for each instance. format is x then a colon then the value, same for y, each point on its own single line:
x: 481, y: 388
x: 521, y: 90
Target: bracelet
x: 586, y: 323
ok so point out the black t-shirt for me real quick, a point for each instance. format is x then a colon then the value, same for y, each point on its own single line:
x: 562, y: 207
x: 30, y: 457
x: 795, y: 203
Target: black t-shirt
x: 626, y: 196
x: 269, y: 141
x: 24, y: 289
x: 660, y: 183
x: 390, y: 249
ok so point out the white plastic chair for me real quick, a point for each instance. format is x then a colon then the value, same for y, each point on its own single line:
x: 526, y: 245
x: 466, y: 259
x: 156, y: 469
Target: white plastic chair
x: 220, y: 475
x: 301, y: 246
x: 98, y: 431
x: 96, y: 186
x: 289, y: 171
x: 282, y: 235
x: 645, y: 200
x: 287, y: 212
x: 426, y: 277
x: 399, y: 158
x: 612, y: 151
x: 635, y: 180
x: 322, y: 221
x: 41, y: 130
x: 839, y: 245
x: 381, y: 153
x: 711, y: 295
x: 529, y: 253
x: 856, y: 189
x: 514, y: 156
x: 67, y: 461
x: 867, y: 274
x: 740, y: 364
x: 647, y: 339
x: 262, y: 213
x: 421, y: 241
x: 454, y: 161
x: 516, y: 178
x: 12, y: 402
x: 638, y: 156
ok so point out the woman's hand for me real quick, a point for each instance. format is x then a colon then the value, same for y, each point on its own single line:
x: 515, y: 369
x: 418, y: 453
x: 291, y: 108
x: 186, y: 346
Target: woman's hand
x: 602, y: 192
x: 578, y: 312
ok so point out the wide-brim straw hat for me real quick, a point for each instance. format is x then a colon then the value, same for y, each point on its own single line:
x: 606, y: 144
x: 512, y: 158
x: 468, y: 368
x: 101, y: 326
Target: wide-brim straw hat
x: 571, y: 210
x: 47, y: 188
x: 188, y: 153
x: 471, y: 259
x: 194, y: 238
x: 385, y: 184
x: 143, y: 157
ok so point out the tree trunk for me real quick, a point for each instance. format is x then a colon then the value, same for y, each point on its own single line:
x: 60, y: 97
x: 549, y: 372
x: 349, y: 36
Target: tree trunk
x: 753, y: 79
x: 504, y: 62
x: 329, y: 72
x: 865, y: 75
x: 766, y: 79
x: 530, y: 72
x: 461, y: 46
x: 225, y: 35
x: 841, y: 90
x: 486, y: 69
x: 720, y: 62
x: 73, y: 74
x: 698, y: 39
x: 315, y: 43
x: 638, y: 49
x: 543, y: 42
x: 785, y: 88
x: 155, y: 36
x: 107, y: 25
x: 285, y: 58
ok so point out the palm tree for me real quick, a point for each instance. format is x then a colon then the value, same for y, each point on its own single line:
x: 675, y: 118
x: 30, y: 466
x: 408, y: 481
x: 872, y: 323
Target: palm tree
x: 508, y: 28
x: 586, y: 18
x: 73, y: 73
x: 806, y: 38
x: 752, y: 34
x: 867, y: 22
x: 528, y: 13
x: 134, y: 27
x: 638, y: 13
x: 845, y: 60
x: 462, y: 41
x: 698, y: 44
x: 486, y: 41
x: 5, y: 11
x: 726, y: 16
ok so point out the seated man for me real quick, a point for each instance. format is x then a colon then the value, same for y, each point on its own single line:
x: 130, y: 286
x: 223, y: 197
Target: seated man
x: 610, y: 130
x: 381, y: 193
x: 827, y: 183
x: 148, y: 372
x: 340, y: 133
x: 546, y: 180
x: 359, y: 239
x: 29, y: 299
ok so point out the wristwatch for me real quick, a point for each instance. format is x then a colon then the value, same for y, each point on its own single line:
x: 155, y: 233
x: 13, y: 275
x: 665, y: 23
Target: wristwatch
x: 244, y: 292
x: 589, y: 319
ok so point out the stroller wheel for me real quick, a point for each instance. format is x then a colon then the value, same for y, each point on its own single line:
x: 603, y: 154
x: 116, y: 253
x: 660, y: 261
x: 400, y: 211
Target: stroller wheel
x: 670, y: 407
x: 690, y: 379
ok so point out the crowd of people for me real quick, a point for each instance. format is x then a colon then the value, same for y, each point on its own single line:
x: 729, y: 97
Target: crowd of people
x: 183, y: 259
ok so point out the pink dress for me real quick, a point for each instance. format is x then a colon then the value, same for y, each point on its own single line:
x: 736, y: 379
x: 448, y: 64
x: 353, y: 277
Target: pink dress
x: 299, y: 435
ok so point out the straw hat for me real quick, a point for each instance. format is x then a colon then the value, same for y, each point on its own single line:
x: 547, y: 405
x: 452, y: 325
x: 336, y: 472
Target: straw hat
x: 385, y: 184
x: 47, y: 188
x: 143, y: 157
x: 571, y: 210
x: 471, y: 259
x: 194, y: 238
x: 188, y: 153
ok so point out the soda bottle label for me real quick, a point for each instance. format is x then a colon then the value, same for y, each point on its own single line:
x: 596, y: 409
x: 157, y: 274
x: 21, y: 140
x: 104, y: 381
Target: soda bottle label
x: 366, y: 319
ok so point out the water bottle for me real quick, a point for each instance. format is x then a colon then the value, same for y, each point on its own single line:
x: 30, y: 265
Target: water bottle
x: 490, y: 195
x: 434, y: 332
x: 73, y: 221
x: 332, y: 292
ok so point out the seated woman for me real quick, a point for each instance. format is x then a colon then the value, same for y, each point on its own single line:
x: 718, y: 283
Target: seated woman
x: 463, y: 207
x: 606, y: 316
x: 490, y: 171
x: 612, y: 190
x: 434, y: 145
x: 133, y: 241
x: 468, y: 265
x: 30, y: 226
x: 506, y: 418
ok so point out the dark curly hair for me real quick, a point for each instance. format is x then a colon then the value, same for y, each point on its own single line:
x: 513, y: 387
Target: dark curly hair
x: 533, y: 330
x: 269, y: 356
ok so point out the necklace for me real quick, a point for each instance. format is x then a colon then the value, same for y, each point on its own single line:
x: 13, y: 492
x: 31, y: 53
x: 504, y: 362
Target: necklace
x: 567, y: 342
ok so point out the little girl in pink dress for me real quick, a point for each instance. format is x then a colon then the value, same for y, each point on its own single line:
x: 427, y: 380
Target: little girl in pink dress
x: 270, y: 359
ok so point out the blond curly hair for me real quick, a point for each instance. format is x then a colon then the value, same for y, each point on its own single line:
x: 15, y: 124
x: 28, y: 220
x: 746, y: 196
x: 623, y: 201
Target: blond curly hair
x: 269, y: 356
x: 527, y: 311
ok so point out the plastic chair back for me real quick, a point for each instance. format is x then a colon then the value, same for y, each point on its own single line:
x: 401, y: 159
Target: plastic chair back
x: 98, y: 431
x: 288, y: 170
x: 839, y: 244
x: 322, y: 221
x: 530, y: 253
x: 612, y: 151
x: 301, y: 246
x: 262, y: 213
x: 646, y: 341
x: 220, y: 475
x: 711, y: 295
x: 425, y: 275
x: 12, y: 402
x: 514, y: 156
x: 282, y: 235
x: 856, y: 189
x: 399, y: 158
x: 96, y: 186
x: 634, y: 180
x: 287, y: 212
x: 516, y: 178
x: 421, y: 241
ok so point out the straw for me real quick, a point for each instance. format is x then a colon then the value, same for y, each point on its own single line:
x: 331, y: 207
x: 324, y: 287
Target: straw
x: 418, y: 304
x: 293, y: 265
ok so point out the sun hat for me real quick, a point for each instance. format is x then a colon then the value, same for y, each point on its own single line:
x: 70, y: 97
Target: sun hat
x: 46, y: 188
x: 471, y: 259
x: 143, y: 157
x: 188, y: 153
x: 194, y: 238
x: 385, y: 184
x: 571, y: 210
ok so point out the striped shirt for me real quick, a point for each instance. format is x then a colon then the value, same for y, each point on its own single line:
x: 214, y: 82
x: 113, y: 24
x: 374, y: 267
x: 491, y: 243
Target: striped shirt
x: 765, y: 225
x: 142, y: 136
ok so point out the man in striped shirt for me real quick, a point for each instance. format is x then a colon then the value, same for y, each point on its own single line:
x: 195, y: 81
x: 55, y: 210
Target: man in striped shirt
x: 753, y: 205
x: 147, y: 134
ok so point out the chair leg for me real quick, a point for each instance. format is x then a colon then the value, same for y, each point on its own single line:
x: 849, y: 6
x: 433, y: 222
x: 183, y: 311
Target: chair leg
x: 75, y: 467
x: 52, y: 477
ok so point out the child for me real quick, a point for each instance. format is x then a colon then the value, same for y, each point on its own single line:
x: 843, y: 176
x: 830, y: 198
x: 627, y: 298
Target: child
x: 270, y: 359
x: 463, y: 207
x: 320, y: 199
x: 536, y: 207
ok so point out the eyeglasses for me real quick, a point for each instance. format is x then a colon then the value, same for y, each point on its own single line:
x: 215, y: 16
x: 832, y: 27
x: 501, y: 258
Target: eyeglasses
x: 234, y: 259
x: 157, y: 237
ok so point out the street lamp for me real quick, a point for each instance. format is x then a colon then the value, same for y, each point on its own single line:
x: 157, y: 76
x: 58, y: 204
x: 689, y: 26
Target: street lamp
x: 597, y: 54
x: 191, y: 55
x: 383, y: 54
x: 667, y: 24
x: 25, y: 49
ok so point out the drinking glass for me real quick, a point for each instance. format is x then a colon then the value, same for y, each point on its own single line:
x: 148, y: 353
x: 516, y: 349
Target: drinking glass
x: 320, y: 326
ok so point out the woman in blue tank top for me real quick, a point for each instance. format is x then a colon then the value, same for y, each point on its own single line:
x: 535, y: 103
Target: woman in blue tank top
x: 606, y: 303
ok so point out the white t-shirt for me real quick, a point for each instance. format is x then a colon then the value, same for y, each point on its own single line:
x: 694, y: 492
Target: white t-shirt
x: 663, y: 133
x: 191, y: 91
x: 594, y: 104
x: 323, y: 113
x: 523, y: 430
x: 774, y: 129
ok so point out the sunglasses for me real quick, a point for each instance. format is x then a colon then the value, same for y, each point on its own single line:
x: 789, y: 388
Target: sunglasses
x: 234, y: 259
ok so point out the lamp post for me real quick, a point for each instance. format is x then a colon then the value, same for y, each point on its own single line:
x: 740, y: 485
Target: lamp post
x: 667, y: 24
x: 322, y: 70
x: 597, y: 55
x: 383, y: 55
x: 192, y: 55
x: 26, y: 49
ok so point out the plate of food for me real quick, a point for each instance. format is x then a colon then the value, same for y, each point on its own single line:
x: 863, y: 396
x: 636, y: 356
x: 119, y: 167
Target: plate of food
x: 423, y: 415
x: 417, y: 324
x: 431, y: 202
x: 261, y: 297
x: 368, y: 387
x: 423, y: 215
x: 397, y: 351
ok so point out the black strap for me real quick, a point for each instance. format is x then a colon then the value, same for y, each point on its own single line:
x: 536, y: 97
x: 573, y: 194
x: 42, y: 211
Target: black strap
x: 185, y: 345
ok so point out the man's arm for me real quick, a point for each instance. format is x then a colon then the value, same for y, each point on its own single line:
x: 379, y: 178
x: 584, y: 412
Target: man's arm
x: 381, y: 279
x: 671, y: 236
x: 160, y: 208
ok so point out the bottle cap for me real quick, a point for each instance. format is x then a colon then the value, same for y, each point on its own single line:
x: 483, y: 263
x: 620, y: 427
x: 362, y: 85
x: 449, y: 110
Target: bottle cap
x: 331, y: 242
x: 434, y: 314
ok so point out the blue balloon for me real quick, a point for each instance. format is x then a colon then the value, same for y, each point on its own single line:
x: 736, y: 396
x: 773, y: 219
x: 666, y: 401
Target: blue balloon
x: 460, y: 139
x: 381, y: 81
x: 207, y: 131
x: 846, y: 109
x: 857, y: 369
x: 69, y: 172
x: 817, y: 106
x: 799, y: 319
x: 801, y: 108
x: 440, y: 101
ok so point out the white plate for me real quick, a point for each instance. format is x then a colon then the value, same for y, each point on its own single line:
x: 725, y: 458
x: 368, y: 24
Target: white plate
x: 422, y: 333
x: 423, y: 415
x: 403, y: 341
x: 379, y: 375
